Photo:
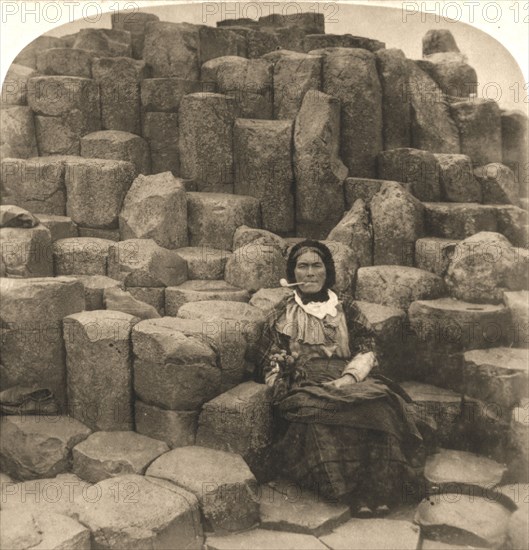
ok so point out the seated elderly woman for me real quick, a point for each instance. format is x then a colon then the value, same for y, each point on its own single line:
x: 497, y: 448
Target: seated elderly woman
x: 346, y: 431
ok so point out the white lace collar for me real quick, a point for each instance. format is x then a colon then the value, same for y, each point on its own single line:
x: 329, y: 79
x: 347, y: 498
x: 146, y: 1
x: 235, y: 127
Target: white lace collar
x: 319, y: 309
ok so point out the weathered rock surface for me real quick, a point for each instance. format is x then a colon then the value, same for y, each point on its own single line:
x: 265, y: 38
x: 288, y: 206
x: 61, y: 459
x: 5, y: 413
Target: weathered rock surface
x: 213, y: 218
x: 267, y: 298
x: 32, y: 344
x: 136, y: 25
x: 263, y: 169
x: 81, y: 256
x: 217, y: 42
x: 366, y: 189
x: 153, y: 296
x: 39, y: 446
x: 479, y: 123
x: 318, y: 41
x: 205, y: 143
x: 514, y: 125
x: 65, y: 62
x: 60, y: 227
x: 106, y: 42
x: 111, y: 454
x: 318, y: 170
x: 172, y: 370
x: 497, y: 183
x: 222, y: 482
x: 264, y: 538
x: 163, y: 95
x: 413, y: 166
x: 397, y: 286
x: 15, y: 85
x: 458, y: 221
x: 160, y: 130
x: 204, y: 262
x: 438, y: 41
x: 95, y: 233
x: 434, y: 254
x: 116, y: 299
x: 456, y: 179
x: 176, y: 428
x: 155, y: 207
x: 94, y: 289
x: 141, y: 262
x: 485, y: 266
x: 99, y: 368
x: 118, y: 145
x: 513, y: 222
x: 96, y: 189
x: 452, y: 73
x: 201, y: 290
x: 518, y: 305
x: 397, y: 218
x: 498, y: 375
x: 18, y: 133
x: 146, y: 512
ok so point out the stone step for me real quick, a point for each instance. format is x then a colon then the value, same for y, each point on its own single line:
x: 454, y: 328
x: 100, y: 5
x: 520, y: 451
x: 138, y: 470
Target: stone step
x: 81, y: 256
x: 459, y: 220
x: 61, y: 227
x: 200, y: 291
x: 116, y: 299
x: 221, y: 481
x: 434, y: 254
x: 285, y: 506
x: 109, y: 454
x: 94, y: 289
x: 264, y: 539
x: 204, y: 262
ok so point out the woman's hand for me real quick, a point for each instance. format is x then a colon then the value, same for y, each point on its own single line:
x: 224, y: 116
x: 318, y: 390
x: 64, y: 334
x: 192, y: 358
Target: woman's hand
x: 342, y: 382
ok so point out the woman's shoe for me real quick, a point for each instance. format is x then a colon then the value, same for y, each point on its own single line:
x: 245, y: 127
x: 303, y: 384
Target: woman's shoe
x: 382, y: 511
x: 363, y: 512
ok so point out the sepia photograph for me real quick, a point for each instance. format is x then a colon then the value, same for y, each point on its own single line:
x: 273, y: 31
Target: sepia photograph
x: 264, y: 275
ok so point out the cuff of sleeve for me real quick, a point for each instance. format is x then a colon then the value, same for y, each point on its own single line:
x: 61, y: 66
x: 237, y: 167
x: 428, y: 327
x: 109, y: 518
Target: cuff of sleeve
x: 360, y: 366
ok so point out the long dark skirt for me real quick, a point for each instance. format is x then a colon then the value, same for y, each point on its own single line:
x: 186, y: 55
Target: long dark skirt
x: 355, y: 442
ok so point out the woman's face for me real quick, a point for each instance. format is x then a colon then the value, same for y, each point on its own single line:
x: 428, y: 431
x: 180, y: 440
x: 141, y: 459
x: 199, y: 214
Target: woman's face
x: 310, y: 270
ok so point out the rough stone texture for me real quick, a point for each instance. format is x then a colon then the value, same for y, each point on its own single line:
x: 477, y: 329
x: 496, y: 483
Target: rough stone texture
x: 15, y: 85
x: 497, y: 375
x: 134, y: 22
x: 14, y: 216
x: 451, y: 325
x: 366, y: 189
x: 95, y: 190
x: 285, y: 506
x: 81, y: 256
x: 434, y: 254
x: 355, y: 231
x: 94, y: 232
x: 309, y: 22
x: 245, y: 235
x: 18, y: 133
x: 373, y: 534
x: 176, y: 428
x: 518, y: 529
x: 152, y: 296
x: 479, y: 123
x: 255, y: 265
x: 28, y: 55
x: 443, y: 405
x: 258, y: 43
x: 239, y: 421
x: 518, y: 306
x: 294, y: 74
x: 117, y: 145
x: 452, y: 73
x: 163, y: 95
x: 397, y: 286
x: 397, y: 218
x: 450, y: 468
x: 465, y: 521
x: 26, y: 252
x: 94, y: 289
x: 514, y: 126
x: 201, y: 290
x: 235, y: 321
x: 99, y: 370
x: 155, y: 207
x: 346, y: 265
x: 116, y: 299
x: 32, y: 344
x: 172, y: 49
x: 247, y: 81
x: 213, y: 218
x: 267, y: 299
x: 264, y: 538
x: 350, y: 75
x: 393, y: 72
x: 149, y: 513
x: 319, y: 41
x: 204, y: 262
x: 119, y: 84
x: 438, y: 41
x: 318, y: 170
x: 263, y: 169
x: 458, y: 221
x: 106, y: 42
x: 160, y: 130
x: 419, y: 168
x: 38, y: 446
x: 222, y: 482
x: 497, y: 183
x: 456, y: 179
x: 205, y: 143
x: 22, y: 529
x: 487, y: 264
x: 172, y: 370
x: 217, y: 42
x: 432, y: 127
x: 110, y: 454
x: 60, y: 227
x: 141, y: 262
x: 513, y: 222
x: 36, y: 184
x: 65, y: 62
